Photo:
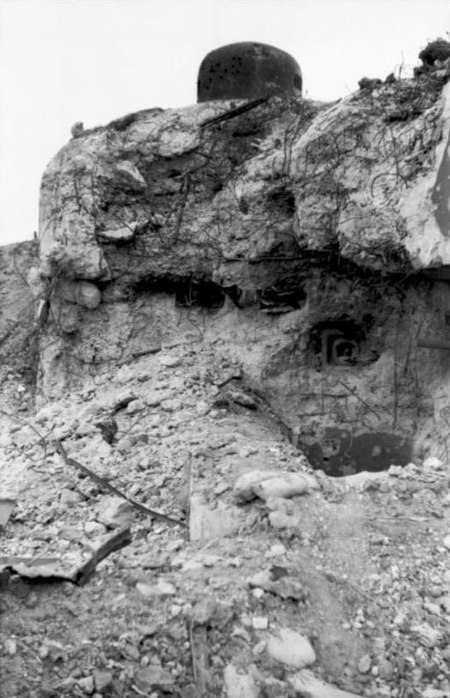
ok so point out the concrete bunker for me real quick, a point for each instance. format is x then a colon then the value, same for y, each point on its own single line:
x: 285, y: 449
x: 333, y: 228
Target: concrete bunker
x: 248, y: 70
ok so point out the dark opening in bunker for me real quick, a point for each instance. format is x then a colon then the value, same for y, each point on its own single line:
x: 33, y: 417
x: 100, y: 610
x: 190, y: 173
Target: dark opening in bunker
x: 188, y: 292
x: 340, y: 452
x: 204, y: 294
x: 282, y: 295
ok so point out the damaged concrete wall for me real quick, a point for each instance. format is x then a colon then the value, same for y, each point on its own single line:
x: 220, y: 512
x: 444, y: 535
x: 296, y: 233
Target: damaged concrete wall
x: 19, y: 336
x: 307, y: 241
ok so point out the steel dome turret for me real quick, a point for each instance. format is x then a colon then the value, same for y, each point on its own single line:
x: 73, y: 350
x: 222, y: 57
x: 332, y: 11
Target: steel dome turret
x: 248, y: 70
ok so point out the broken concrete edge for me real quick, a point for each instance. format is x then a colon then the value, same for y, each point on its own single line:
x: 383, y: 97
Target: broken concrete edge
x: 52, y: 569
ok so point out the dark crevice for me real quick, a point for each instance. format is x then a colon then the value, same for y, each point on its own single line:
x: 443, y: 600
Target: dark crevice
x: 282, y: 199
x: 188, y: 292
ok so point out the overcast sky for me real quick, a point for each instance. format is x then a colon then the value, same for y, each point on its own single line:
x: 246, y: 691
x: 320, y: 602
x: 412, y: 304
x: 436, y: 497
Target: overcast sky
x: 63, y: 61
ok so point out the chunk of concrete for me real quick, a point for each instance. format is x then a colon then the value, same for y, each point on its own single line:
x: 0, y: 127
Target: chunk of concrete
x: 264, y: 484
x: 82, y: 293
x: 306, y: 685
x: 239, y: 685
x: 114, y: 512
x: 288, y: 647
x: 118, y: 235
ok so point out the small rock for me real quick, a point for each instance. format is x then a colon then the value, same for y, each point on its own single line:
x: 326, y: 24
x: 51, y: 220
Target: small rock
x: 202, y: 408
x: 276, y: 550
x: 152, y: 399
x: 171, y: 405
x: 444, y: 603
x: 428, y: 636
x: 125, y: 234
x: 258, y: 593
x: 145, y: 590
x: 135, y: 406
x: 411, y: 468
x: 77, y: 129
x: 433, y: 463
x: 446, y: 542
x: 87, y: 684
x: 10, y: 646
x: 364, y: 664
x: 209, y: 611
x: 175, y: 545
x: 69, y: 497
x: 43, y: 652
x: 93, y: 529
x: 165, y: 588
x: 386, y: 670
x: 114, y: 512
x: 243, y: 399
x: 305, y: 684
x: 239, y: 685
x: 242, y: 633
x: 288, y: 647
x: 131, y: 652
x: 383, y: 692
x: 274, y: 688
x: 71, y: 533
x: 260, y: 623
x: 395, y: 470
x: 280, y: 520
x: 265, y: 484
x: 170, y: 361
x: 191, y: 565
x: 277, y: 581
x: 102, y: 680
x: 433, y: 608
x: 153, y: 676
x: 153, y: 561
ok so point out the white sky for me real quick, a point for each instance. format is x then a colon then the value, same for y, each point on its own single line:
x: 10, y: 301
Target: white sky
x: 63, y: 61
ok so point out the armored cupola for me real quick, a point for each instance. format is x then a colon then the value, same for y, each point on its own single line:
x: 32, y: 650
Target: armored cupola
x: 248, y: 70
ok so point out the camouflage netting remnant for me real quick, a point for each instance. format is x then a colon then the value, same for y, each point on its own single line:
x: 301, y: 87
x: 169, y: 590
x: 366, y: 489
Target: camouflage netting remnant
x: 248, y: 70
